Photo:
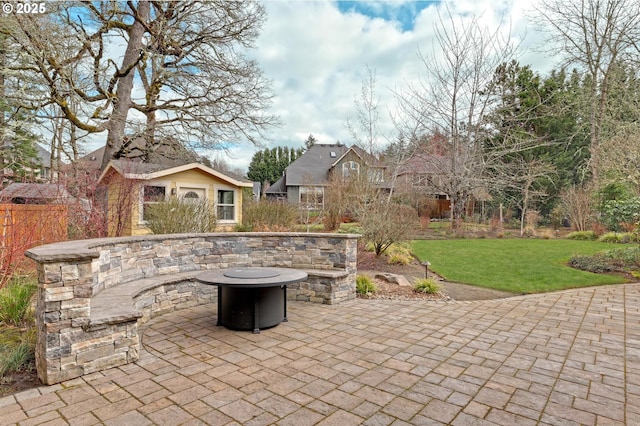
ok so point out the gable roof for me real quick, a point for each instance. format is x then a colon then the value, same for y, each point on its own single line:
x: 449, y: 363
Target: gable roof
x: 277, y: 188
x: 146, y: 171
x: 312, y: 167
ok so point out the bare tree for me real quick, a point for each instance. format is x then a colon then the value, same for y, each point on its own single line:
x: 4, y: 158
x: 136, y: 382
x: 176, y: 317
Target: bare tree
x: 450, y: 102
x: 365, y: 131
x: 597, y: 36
x: 577, y: 203
x: 527, y: 184
x: 198, y: 84
x: 188, y: 55
x: 619, y: 156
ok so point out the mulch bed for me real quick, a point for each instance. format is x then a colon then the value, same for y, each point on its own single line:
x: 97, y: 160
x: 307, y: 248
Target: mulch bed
x: 24, y: 379
x: 369, y: 264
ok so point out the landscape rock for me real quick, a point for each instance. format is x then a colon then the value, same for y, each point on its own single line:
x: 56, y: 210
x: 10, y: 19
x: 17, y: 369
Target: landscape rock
x: 393, y: 278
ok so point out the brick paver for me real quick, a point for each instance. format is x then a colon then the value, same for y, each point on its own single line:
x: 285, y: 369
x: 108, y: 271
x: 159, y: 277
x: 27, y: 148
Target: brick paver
x: 569, y: 357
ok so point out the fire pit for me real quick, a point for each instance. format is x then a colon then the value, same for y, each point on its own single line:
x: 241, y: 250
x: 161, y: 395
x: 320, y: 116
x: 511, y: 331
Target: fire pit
x: 251, y: 298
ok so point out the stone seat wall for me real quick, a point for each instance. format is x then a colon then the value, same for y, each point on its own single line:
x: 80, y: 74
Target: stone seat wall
x: 93, y: 294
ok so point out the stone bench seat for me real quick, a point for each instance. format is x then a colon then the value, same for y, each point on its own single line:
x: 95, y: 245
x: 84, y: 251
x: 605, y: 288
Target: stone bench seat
x: 142, y: 299
x: 118, y: 304
x: 93, y: 295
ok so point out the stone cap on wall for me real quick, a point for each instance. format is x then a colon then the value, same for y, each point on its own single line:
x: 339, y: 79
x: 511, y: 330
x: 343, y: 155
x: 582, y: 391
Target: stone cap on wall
x: 77, y: 250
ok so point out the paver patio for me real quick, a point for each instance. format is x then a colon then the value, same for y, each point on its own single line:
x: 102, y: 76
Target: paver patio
x: 570, y: 357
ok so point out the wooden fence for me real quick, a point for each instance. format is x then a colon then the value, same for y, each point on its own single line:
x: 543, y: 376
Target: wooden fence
x: 23, y: 226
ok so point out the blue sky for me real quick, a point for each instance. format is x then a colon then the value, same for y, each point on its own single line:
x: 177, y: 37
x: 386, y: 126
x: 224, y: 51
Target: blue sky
x: 402, y: 13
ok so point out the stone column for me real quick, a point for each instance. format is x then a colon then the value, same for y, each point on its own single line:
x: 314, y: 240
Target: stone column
x: 63, y: 306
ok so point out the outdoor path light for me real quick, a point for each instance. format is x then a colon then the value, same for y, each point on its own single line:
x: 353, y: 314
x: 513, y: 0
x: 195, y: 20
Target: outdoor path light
x: 426, y: 264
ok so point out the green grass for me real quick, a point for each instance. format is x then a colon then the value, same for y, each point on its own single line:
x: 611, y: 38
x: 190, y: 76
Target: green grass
x: 515, y: 265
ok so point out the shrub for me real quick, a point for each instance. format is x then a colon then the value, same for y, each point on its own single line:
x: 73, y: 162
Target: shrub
x: 398, y: 259
x: 577, y: 204
x: 595, y: 264
x: 15, y: 301
x: 350, y: 228
x: 582, y: 235
x: 426, y: 285
x: 384, y: 224
x: 268, y: 216
x: 18, y: 334
x: 616, y: 260
x: 617, y: 213
x: 399, y: 254
x: 177, y: 216
x: 618, y: 237
x: 364, y: 285
x: 628, y: 257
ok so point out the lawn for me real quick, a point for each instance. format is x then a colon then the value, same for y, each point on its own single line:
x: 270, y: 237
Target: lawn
x: 515, y: 265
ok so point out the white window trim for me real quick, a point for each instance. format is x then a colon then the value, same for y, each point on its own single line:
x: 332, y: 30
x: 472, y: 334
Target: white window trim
x: 348, y: 168
x: 195, y: 186
x: 236, y: 195
x: 167, y: 186
x: 315, y: 189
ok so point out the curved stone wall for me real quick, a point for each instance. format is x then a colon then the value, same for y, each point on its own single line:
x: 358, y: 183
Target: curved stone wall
x: 72, y: 341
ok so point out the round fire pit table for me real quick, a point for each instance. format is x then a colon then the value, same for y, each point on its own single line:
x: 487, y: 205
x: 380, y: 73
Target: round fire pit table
x: 251, y: 298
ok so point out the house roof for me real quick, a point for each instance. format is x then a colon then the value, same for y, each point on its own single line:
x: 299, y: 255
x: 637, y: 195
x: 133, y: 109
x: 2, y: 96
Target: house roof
x: 93, y: 160
x: 312, y: 167
x: 39, y: 191
x: 421, y: 163
x: 277, y: 188
x: 146, y: 171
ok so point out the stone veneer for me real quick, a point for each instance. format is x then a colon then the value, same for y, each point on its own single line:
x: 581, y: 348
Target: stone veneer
x: 76, y: 338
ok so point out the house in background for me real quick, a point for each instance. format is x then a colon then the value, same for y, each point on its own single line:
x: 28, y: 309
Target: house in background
x: 46, y: 173
x: 36, y: 169
x: 424, y: 175
x: 145, y: 184
x: 304, y: 181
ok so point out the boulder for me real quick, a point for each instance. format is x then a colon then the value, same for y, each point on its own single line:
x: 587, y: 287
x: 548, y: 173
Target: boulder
x: 393, y: 278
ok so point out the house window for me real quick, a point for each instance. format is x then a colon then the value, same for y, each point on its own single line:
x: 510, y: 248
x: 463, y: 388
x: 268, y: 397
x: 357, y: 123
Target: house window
x: 420, y: 180
x: 226, y: 209
x: 375, y: 175
x: 192, y: 195
x: 350, y: 168
x: 312, y: 197
x: 152, y: 194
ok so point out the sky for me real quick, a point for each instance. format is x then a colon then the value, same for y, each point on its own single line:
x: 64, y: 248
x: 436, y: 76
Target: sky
x: 316, y: 54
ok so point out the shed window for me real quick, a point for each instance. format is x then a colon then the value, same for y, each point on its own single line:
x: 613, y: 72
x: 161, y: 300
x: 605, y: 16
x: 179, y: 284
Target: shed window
x: 151, y: 194
x: 226, y: 209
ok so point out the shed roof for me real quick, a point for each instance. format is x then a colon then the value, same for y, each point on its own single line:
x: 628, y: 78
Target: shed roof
x: 147, y: 171
x: 40, y: 191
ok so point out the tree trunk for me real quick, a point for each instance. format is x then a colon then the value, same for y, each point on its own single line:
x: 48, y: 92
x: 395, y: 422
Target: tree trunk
x: 122, y: 103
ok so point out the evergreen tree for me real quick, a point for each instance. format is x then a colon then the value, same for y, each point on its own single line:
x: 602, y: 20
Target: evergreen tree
x: 268, y: 165
x: 311, y: 141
